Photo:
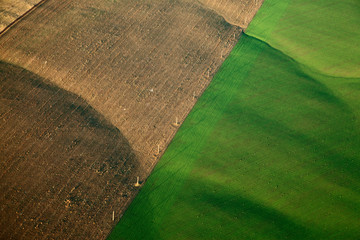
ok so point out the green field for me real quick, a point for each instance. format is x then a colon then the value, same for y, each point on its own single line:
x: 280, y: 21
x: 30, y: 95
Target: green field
x: 272, y: 148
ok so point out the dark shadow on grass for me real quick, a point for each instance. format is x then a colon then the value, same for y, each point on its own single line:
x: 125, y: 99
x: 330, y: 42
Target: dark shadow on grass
x: 292, y: 59
x: 310, y: 86
x: 263, y: 220
x: 253, y: 220
x: 323, y: 155
x: 334, y: 115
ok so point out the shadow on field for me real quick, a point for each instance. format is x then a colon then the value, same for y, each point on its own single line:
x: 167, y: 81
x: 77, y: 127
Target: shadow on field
x: 215, y: 210
x: 322, y: 122
x: 310, y: 86
x: 321, y: 152
x: 255, y: 217
x: 64, y: 168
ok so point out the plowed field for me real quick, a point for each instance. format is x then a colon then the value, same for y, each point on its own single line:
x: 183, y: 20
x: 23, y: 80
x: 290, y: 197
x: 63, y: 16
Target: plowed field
x: 272, y: 148
x: 10, y: 10
x: 140, y: 66
x: 64, y: 168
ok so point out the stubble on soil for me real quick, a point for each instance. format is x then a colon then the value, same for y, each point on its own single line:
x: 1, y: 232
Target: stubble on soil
x: 64, y: 168
x: 238, y: 13
x: 10, y: 10
x: 140, y: 64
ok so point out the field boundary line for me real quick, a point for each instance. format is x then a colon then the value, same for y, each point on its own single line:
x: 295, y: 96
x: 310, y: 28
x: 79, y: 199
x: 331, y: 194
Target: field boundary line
x: 21, y: 17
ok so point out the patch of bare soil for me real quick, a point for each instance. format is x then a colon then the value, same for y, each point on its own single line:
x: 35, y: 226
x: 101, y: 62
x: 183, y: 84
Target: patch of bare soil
x: 140, y: 64
x: 238, y: 13
x: 10, y: 10
x: 63, y: 167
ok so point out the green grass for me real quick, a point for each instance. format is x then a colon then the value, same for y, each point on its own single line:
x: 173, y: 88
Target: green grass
x: 271, y: 149
x: 323, y: 34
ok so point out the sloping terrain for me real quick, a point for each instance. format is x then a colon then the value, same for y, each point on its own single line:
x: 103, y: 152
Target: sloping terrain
x: 63, y: 167
x: 10, y: 10
x: 141, y: 65
x: 271, y: 149
x: 336, y: 51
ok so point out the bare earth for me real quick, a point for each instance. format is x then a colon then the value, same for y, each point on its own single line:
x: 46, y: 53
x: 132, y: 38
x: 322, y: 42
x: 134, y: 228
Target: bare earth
x: 139, y: 65
x: 10, y: 10
x: 238, y: 13
x: 61, y: 162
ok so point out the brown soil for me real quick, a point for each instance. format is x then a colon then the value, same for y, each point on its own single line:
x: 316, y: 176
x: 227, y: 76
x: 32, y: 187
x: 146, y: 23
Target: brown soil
x: 10, y: 10
x: 236, y: 12
x: 64, y: 168
x: 140, y: 64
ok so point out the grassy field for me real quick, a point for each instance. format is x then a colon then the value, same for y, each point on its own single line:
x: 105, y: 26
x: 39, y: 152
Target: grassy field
x: 271, y: 149
x: 321, y: 34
